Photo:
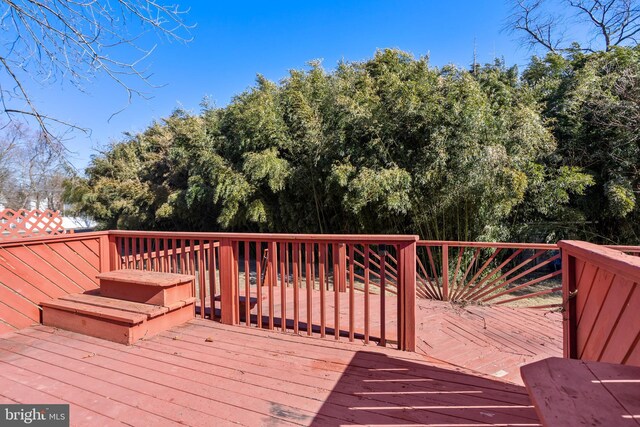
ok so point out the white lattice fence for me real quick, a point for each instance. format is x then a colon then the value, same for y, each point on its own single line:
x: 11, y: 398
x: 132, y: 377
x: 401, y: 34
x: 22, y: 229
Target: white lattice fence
x: 29, y: 223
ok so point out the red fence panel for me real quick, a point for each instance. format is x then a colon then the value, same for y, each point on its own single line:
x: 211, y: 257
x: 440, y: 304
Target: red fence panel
x: 33, y: 270
x: 601, y: 287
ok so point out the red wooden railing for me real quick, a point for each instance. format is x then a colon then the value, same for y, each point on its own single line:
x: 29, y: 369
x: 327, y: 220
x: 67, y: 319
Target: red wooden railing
x: 601, y: 288
x: 345, y: 286
x: 521, y: 274
x: 33, y: 270
x: 342, y: 285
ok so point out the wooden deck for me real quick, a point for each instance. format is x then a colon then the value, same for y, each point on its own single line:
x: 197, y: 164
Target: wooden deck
x: 205, y: 373
x: 492, y: 340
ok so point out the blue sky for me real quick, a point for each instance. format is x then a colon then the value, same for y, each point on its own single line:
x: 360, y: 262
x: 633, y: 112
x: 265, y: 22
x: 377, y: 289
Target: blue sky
x: 235, y: 40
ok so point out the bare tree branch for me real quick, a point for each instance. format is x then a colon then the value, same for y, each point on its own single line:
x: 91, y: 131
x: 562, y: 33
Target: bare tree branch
x: 75, y: 41
x: 613, y: 22
x: 539, y: 29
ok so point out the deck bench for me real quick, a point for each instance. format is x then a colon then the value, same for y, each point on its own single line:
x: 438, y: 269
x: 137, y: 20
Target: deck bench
x: 570, y: 392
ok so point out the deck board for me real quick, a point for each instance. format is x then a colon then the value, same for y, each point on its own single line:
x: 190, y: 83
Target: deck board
x: 205, y: 373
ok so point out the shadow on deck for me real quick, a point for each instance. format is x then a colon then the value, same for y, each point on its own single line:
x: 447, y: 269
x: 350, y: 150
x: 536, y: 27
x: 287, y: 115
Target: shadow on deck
x: 205, y: 373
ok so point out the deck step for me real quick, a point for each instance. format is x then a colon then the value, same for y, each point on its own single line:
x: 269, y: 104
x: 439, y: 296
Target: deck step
x: 130, y: 305
x: 149, y: 287
x: 97, y: 311
x: 115, y: 320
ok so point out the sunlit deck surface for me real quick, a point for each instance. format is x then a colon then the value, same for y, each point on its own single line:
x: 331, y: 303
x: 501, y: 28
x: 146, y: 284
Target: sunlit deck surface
x: 493, y: 340
x: 205, y: 373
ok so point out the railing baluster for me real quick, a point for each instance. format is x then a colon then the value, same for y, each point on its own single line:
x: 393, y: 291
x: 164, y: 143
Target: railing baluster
x: 296, y: 289
x: 366, y: 294
x: 147, y: 254
x: 466, y: 273
x: 201, y: 280
x: 336, y: 291
x: 127, y: 253
x: 351, y: 293
x: 212, y: 276
x: 468, y: 286
x: 308, y: 256
x: 383, y: 297
x: 181, y: 255
x: 283, y: 288
x: 454, y: 286
x: 445, y: 272
x: 435, y: 273
x: 273, y: 278
x: 156, y: 265
x: 247, y: 285
x: 259, y: 282
x: 192, y: 257
x: 286, y: 265
x: 322, y: 249
x: 174, y: 255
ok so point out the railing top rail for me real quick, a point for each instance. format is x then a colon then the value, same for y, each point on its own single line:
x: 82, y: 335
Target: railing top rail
x: 547, y: 246
x: 51, y: 239
x: 266, y: 237
x: 613, y: 260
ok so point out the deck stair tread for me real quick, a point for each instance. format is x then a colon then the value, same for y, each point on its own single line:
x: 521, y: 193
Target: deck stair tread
x: 92, y: 310
x: 150, y: 310
x: 572, y: 392
x: 146, y: 278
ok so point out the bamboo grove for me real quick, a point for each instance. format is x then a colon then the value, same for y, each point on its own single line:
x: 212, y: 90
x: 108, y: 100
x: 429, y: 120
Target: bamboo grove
x: 393, y: 145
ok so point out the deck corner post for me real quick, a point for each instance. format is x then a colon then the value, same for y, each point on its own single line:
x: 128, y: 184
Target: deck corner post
x: 407, y: 296
x: 569, y: 321
x: 108, y: 252
x: 229, y: 303
x: 113, y: 252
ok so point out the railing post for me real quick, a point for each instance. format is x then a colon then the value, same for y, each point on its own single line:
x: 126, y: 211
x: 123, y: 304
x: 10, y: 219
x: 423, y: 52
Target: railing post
x: 569, y: 314
x: 406, y: 296
x: 445, y: 272
x: 229, y: 303
x: 113, y: 253
x: 108, y: 252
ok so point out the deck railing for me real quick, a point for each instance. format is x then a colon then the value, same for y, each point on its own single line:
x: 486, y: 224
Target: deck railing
x: 601, y: 288
x: 341, y: 285
x: 522, y: 274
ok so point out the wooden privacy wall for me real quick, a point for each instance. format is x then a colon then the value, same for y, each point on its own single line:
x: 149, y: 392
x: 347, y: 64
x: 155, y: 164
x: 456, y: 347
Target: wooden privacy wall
x: 38, y: 269
x: 601, y: 287
x: 29, y: 223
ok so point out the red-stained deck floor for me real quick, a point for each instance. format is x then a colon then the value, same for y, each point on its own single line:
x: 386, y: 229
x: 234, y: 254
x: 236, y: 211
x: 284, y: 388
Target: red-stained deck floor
x: 492, y: 340
x: 205, y: 373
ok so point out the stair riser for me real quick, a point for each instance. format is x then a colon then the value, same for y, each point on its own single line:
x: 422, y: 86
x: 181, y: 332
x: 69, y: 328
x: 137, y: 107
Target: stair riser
x: 146, y: 294
x: 112, y: 330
